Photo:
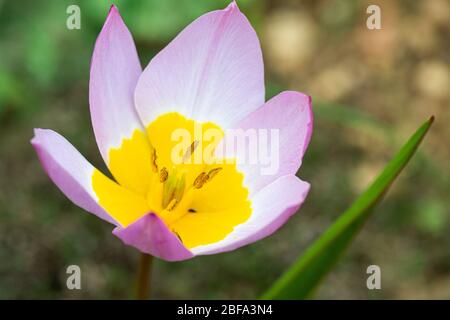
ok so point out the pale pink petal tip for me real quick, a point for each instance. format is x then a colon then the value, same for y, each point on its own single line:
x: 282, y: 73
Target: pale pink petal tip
x: 232, y: 6
x: 150, y: 235
x: 115, y: 69
x: 68, y: 169
x: 113, y: 8
x: 113, y: 14
x: 218, y: 79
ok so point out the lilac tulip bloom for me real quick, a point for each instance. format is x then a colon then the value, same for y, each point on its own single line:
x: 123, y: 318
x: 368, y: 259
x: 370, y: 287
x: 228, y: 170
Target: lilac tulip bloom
x: 209, y: 77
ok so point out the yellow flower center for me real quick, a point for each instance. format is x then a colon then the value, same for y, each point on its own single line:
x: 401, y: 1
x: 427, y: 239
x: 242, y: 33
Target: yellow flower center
x: 199, y: 197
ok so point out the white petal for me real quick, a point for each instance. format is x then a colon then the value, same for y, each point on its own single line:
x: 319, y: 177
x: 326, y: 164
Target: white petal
x: 212, y: 71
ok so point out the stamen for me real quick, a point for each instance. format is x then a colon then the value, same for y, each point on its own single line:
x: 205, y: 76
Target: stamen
x: 204, y: 177
x: 190, y: 151
x: 201, y: 180
x: 212, y: 173
x: 192, y: 210
x: 173, y: 189
x: 153, y: 160
x: 179, y: 187
x: 163, y: 175
x: 172, y: 204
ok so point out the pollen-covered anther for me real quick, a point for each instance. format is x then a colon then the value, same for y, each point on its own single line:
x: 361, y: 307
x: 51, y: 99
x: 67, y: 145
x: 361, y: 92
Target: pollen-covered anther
x: 163, y: 174
x: 200, y: 180
x: 204, y: 177
x: 153, y: 160
x: 212, y: 173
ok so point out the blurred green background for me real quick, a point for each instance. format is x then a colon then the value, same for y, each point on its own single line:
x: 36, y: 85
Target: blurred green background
x: 370, y: 89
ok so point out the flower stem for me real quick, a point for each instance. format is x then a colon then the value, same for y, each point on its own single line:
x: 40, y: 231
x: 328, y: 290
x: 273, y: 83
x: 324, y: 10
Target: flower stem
x: 144, y: 277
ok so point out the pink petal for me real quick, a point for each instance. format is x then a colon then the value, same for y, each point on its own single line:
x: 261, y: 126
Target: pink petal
x: 212, y: 71
x: 150, y: 235
x: 115, y: 69
x: 291, y: 114
x: 69, y: 170
x: 272, y: 207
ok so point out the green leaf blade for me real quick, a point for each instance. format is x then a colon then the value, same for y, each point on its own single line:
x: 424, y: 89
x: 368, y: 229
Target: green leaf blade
x: 303, y: 277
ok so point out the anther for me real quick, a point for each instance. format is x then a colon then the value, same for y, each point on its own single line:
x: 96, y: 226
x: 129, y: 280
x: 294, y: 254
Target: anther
x: 153, y: 161
x: 212, y: 173
x: 200, y: 180
x: 163, y: 175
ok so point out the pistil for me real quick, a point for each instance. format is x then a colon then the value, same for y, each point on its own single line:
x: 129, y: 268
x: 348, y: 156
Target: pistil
x: 171, y: 186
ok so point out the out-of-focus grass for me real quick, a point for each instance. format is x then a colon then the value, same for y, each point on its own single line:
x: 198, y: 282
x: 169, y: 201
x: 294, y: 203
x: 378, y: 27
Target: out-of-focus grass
x: 368, y: 92
x: 304, y: 276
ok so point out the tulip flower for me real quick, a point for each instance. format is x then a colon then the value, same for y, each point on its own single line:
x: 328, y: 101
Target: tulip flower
x: 210, y: 77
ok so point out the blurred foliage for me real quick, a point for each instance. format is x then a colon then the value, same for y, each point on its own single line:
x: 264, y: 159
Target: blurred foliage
x: 369, y: 90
